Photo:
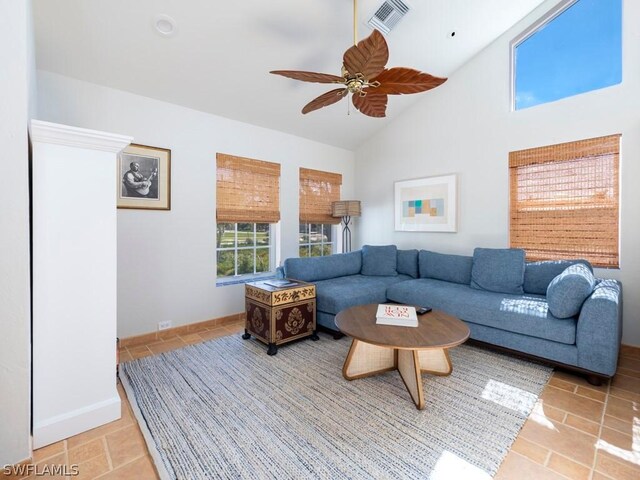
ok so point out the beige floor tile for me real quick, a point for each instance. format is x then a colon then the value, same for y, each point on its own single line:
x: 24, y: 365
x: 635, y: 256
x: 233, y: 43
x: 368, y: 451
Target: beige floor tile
x: 616, y: 468
x: 572, y: 403
x: 126, y: 445
x: 562, y: 439
x: 191, y: 338
x: 631, y: 384
x: 125, y: 356
x: 94, y: 433
x: 516, y: 467
x: 48, y: 451
x: 579, y: 380
x: 139, y: 352
x: 167, y: 346
x: 549, y: 412
x: 617, y: 424
x: 586, y: 426
x: 215, y: 333
x: 87, y: 451
x: 93, y: 468
x: 630, y: 351
x: 592, y: 394
x: 600, y: 476
x: 562, y: 384
x: 625, y: 394
x: 568, y: 468
x: 530, y: 450
x: 629, y: 373
x: 622, y: 409
x: 629, y: 363
x: 140, y: 469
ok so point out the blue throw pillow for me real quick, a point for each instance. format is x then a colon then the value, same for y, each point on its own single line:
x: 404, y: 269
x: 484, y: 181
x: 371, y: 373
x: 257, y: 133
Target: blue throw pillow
x: 498, y: 270
x: 568, y: 291
x: 408, y: 262
x: 379, y: 260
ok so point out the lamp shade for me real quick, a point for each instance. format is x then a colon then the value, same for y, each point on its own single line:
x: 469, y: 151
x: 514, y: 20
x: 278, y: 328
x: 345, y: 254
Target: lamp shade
x: 345, y: 208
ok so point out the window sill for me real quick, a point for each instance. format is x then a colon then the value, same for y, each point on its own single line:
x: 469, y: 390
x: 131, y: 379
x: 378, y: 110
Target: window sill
x: 241, y: 279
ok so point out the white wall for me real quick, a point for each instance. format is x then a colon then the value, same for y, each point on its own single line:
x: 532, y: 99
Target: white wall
x: 166, y: 259
x: 15, y: 358
x: 466, y: 127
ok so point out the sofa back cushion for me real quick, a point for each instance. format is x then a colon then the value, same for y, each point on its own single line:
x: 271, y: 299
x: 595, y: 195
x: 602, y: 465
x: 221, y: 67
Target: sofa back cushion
x: 322, y: 268
x: 408, y: 263
x: 538, y: 275
x: 450, y: 268
x: 568, y: 291
x: 498, y: 270
x: 379, y: 260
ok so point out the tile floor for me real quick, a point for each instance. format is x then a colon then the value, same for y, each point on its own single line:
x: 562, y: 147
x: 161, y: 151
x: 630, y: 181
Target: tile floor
x: 576, y: 431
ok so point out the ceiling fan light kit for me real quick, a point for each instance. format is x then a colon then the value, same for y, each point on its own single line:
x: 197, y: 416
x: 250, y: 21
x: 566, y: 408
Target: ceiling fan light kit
x: 365, y: 77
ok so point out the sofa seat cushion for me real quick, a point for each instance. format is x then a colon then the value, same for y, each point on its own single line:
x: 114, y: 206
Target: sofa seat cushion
x: 498, y: 270
x: 525, y: 314
x: 336, y: 294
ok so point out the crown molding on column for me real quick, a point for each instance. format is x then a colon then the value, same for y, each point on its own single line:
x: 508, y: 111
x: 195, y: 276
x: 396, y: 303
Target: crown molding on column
x: 47, y: 132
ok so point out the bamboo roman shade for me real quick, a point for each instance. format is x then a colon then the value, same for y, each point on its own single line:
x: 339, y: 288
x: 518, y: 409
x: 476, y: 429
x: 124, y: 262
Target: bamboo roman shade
x: 247, y: 190
x: 564, y: 201
x: 317, y: 191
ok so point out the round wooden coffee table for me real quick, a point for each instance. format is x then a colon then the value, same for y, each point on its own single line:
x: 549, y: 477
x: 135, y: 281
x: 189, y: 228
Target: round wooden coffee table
x: 410, y: 350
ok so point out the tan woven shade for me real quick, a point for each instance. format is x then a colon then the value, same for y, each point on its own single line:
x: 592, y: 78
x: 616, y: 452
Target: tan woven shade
x: 247, y: 190
x: 318, y: 190
x: 346, y: 208
x: 565, y: 201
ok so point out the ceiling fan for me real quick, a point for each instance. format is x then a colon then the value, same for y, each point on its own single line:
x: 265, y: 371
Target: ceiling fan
x: 364, y: 76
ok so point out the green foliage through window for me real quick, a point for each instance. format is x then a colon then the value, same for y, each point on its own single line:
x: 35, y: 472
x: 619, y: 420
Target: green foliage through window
x: 316, y: 240
x: 243, y: 249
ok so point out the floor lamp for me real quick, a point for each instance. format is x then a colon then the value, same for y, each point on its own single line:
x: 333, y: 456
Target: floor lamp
x: 346, y: 209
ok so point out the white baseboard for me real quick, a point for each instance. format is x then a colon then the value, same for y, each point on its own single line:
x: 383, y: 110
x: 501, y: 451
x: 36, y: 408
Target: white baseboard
x: 75, y: 422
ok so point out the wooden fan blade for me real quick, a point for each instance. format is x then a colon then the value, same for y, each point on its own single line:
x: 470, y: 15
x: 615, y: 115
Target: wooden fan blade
x: 372, y: 104
x: 325, y: 99
x: 309, y: 76
x: 400, y: 81
x: 368, y: 57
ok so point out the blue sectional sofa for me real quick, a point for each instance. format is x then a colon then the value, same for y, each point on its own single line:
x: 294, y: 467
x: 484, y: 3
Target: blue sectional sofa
x: 554, y: 310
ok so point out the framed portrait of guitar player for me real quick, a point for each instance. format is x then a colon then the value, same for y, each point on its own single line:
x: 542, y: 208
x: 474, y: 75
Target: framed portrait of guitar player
x: 144, y: 178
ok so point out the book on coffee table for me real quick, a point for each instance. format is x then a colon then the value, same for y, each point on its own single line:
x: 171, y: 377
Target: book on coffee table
x: 398, y: 315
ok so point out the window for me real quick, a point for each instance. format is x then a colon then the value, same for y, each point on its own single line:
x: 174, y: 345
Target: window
x: 575, y: 49
x: 565, y: 201
x: 243, y: 249
x: 248, y: 208
x: 317, y: 191
x: 316, y: 239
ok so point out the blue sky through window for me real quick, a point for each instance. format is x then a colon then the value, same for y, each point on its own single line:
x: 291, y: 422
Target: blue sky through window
x: 576, y: 52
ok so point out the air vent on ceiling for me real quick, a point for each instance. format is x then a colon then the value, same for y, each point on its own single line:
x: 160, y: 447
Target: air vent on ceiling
x: 388, y: 15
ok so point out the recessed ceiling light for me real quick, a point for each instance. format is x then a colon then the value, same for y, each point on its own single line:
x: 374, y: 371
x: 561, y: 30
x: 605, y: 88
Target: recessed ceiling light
x: 164, y: 25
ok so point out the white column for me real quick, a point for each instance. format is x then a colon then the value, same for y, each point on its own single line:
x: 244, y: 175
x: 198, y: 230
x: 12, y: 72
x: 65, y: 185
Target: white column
x: 74, y: 279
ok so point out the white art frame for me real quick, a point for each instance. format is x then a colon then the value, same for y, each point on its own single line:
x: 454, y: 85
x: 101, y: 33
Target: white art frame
x: 427, y: 204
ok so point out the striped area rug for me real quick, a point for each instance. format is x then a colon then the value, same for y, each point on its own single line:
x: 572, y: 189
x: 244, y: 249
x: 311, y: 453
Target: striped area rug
x: 225, y: 409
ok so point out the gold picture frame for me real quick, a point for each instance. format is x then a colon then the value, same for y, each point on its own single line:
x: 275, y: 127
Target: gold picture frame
x: 144, y: 178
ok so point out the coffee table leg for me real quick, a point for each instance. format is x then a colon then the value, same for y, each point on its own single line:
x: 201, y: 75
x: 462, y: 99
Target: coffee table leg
x: 365, y: 360
x: 409, y: 368
x: 435, y: 361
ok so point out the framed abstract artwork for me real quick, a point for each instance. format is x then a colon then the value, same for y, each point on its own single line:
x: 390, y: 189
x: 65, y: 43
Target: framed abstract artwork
x: 144, y: 178
x: 426, y: 204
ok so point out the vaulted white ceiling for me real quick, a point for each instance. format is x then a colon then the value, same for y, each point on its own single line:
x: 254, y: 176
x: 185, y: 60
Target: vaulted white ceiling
x: 218, y: 60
